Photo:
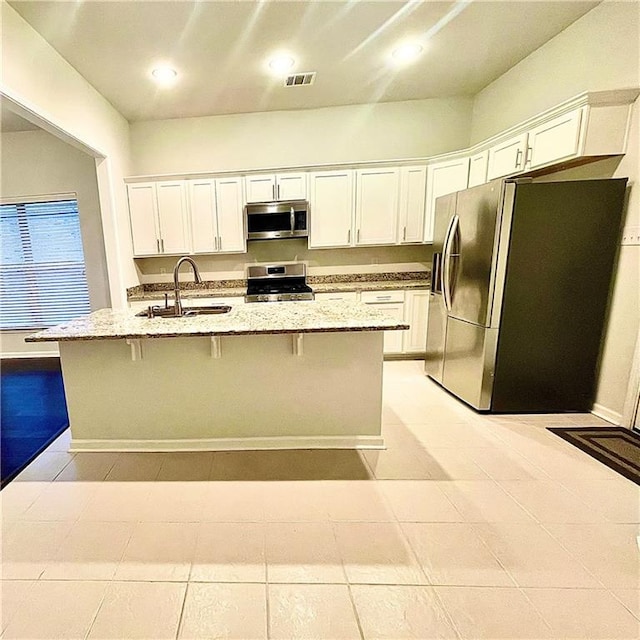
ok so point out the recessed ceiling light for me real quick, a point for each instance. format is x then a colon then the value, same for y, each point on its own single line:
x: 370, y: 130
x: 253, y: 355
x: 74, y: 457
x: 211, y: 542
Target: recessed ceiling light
x: 164, y: 75
x: 281, y: 63
x: 406, y: 52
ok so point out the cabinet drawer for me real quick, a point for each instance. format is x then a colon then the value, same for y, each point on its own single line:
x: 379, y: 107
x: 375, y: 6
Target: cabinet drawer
x: 372, y: 297
x: 338, y: 296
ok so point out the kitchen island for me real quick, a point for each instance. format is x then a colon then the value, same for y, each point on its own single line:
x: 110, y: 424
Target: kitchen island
x: 275, y: 375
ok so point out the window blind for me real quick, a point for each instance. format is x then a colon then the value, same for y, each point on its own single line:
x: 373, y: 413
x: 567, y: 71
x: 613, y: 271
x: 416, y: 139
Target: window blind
x: 43, y: 280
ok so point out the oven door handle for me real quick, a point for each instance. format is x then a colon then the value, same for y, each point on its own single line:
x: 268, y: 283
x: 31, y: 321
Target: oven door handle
x: 292, y: 219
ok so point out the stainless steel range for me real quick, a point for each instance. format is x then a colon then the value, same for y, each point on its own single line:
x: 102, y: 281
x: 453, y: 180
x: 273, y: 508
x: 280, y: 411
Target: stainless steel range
x: 277, y: 283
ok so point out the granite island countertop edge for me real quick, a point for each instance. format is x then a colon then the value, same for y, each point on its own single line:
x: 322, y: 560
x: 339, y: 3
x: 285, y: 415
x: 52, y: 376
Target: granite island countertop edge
x: 275, y: 318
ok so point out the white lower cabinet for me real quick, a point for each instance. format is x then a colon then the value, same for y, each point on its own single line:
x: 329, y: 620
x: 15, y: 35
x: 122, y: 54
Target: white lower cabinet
x: 337, y: 296
x: 391, y: 303
x: 416, y: 313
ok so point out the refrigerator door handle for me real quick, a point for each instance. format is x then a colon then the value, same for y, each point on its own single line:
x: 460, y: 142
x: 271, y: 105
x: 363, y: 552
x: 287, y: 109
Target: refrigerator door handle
x: 446, y: 263
x: 436, y: 268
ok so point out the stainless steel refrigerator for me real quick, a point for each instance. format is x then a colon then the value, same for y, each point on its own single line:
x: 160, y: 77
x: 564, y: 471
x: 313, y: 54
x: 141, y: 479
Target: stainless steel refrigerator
x: 520, y: 281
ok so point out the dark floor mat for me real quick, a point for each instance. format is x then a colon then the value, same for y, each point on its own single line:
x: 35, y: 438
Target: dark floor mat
x: 616, y: 447
x: 33, y: 411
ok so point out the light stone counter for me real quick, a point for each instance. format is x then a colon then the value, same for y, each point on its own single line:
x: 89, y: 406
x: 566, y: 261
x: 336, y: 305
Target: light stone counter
x: 247, y: 319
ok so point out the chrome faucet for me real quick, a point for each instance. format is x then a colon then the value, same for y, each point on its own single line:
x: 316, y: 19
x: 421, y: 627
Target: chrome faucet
x: 176, y: 282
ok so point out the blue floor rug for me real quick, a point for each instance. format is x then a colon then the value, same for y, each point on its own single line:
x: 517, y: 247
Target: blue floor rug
x: 33, y: 411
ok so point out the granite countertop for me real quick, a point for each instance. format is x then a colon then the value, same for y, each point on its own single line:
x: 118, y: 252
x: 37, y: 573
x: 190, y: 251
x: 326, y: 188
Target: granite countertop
x: 275, y: 317
x: 320, y: 284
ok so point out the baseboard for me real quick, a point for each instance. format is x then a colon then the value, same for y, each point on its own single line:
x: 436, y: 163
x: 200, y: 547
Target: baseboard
x: 14, y: 355
x: 606, y: 414
x: 231, y: 444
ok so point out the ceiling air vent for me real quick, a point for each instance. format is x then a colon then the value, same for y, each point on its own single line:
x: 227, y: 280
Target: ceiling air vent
x: 300, y: 79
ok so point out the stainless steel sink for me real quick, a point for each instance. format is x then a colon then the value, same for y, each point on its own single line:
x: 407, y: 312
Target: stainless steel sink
x: 169, y: 312
x: 205, y: 311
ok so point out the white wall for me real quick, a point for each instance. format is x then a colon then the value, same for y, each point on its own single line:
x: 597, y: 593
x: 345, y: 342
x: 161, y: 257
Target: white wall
x: 599, y: 51
x: 385, y: 131
x: 36, y: 77
x: 36, y: 163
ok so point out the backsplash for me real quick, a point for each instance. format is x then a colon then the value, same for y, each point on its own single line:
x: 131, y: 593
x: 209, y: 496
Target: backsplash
x: 320, y: 262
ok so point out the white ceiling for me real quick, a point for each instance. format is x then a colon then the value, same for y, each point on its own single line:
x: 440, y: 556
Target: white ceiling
x: 219, y: 49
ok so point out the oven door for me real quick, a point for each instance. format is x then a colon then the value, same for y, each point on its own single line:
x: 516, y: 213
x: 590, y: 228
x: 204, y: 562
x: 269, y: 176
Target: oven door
x: 269, y: 220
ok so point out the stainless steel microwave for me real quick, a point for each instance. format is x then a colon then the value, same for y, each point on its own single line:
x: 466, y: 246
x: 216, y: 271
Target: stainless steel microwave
x: 272, y: 220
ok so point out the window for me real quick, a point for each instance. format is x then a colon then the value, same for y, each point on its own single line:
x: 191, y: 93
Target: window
x: 42, y: 272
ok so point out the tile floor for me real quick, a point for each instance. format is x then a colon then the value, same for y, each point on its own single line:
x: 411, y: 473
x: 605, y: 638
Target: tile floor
x: 466, y: 526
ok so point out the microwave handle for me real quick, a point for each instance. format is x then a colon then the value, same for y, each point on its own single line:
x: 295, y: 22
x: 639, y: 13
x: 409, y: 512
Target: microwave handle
x: 292, y: 219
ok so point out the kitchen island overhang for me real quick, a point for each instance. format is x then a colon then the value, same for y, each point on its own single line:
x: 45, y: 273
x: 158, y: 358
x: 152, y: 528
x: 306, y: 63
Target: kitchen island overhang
x: 269, y: 376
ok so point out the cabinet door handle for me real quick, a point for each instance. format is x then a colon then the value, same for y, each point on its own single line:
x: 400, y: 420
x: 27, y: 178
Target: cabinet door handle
x: 278, y: 191
x: 518, y: 157
x: 220, y: 243
x: 404, y: 233
x: 215, y: 243
x: 528, y: 155
x: 349, y: 236
x: 158, y: 245
x: 358, y: 237
x: 273, y: 191
x: 162, y: 244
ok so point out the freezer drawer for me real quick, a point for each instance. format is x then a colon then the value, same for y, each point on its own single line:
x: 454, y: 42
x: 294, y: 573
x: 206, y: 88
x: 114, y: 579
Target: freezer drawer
x: 469, y: 362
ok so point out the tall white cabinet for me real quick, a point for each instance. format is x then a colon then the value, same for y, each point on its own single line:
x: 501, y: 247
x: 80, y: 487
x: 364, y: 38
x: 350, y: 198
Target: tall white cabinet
x: 331, y: 204
x: 377, y: 199
x: 413, y: 186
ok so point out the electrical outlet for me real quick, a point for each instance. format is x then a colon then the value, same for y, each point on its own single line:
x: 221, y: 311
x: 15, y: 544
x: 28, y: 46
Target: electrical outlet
x: 631, y: 236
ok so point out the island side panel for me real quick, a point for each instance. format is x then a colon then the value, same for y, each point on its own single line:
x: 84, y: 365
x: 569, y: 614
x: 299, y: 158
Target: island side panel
x: 258, y: 394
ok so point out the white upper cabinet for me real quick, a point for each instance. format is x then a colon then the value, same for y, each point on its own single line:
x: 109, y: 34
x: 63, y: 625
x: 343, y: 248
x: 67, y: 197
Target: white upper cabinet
x: 173, y: 217
x: 377, y: 199
x: 478, y: 168
x: 443, y: 178
x: 413, y: 187
x: 281, y: 186
x: 331, y: 208
x: 554, y: 140
x: 507, y: 157
x: 291, y: 186
x: 217, y: 215
x: 159, y: 218
x: 202, y: 205
x: 231, y: 232
x: 143, y: 212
